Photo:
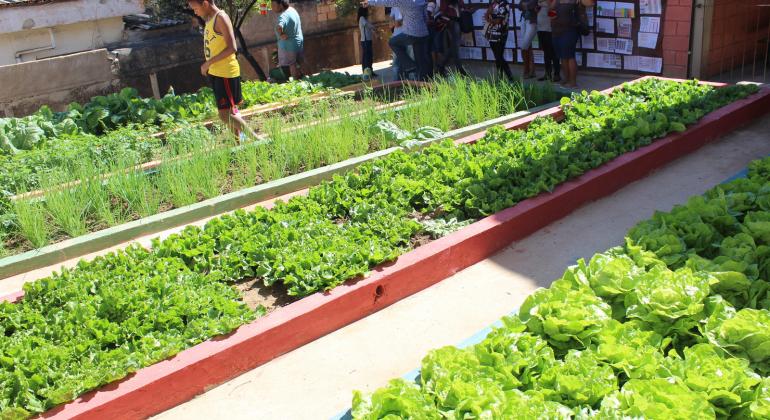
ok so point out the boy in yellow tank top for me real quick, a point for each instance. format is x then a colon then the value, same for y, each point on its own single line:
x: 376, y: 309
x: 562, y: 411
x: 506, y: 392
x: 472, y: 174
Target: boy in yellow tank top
x: 221, y: 65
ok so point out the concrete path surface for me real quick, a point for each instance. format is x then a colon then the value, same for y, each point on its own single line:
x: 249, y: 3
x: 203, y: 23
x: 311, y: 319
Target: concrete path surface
x: 316, y: 380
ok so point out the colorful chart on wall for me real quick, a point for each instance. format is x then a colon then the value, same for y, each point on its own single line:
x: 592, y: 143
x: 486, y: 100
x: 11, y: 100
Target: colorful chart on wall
x: 625, y: 36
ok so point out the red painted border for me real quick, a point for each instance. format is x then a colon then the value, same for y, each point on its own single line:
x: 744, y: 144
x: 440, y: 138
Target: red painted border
x: 191, y: 372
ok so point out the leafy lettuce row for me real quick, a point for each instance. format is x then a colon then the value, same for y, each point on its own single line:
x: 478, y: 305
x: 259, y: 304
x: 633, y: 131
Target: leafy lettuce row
x: 675, y: 324
x: 108, y: 317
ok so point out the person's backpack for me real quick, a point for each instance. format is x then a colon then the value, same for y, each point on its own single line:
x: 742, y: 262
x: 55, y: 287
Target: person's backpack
x: 466, y: 21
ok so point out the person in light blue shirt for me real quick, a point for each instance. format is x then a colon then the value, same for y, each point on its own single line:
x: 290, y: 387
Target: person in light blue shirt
x: 415, y: 34
x: 397, y: 24
x: 291, y: 42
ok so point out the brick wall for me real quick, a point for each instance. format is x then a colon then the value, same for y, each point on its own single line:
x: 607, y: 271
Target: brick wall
x: 676, y: 37
x: 739, y: 36
x: 326, y: 10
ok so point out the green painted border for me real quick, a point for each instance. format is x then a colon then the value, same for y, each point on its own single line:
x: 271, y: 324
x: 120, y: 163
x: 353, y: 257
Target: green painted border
x: 96, y: 241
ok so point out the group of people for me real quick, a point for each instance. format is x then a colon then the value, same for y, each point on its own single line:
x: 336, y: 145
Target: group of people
x: 426, y: 40
x: 427, y: 36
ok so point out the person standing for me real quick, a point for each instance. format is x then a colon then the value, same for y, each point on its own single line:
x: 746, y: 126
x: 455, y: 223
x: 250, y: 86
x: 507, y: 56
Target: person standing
x: 565, y: 19
x: 435, y: 31
x: 221, y: 65
x: 529, y: 30
x: 415, y: 34
x: 497, y: 17
x: 449, y: 12
x: 366, y: 29
x: 291, y: 43
x: 397, y: 26
x: 552, y: 66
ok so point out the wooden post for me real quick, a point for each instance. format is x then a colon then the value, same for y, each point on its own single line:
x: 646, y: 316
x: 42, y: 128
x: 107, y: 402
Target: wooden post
x: 356, y: 47
x: 154, y: 84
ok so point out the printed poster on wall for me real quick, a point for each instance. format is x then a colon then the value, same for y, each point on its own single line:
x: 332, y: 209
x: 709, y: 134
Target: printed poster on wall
x: 625, y: 10
x: 649, y: 41
x: 624, y: 27
x: 605, y: 61
x: 649, y: 24
x: 650, y: 7
x: 645, y: 64
x: 605, y: 8
x: 510, y: 42
x: 605, y: 26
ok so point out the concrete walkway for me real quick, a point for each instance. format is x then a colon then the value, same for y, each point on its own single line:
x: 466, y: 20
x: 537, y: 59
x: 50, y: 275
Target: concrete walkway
x: 316, y: 380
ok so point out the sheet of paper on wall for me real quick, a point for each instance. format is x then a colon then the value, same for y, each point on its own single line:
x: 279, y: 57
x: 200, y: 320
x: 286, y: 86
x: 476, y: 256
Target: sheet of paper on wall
x: 467, y: 41
x: 631, y: 62
x: 511, y: 41
x: 649, y: 24
x: 481, y: 40
x: 587, y: 42
x: 605, y: 61
x: 624, y: 46
x: 516, y: 18
x: 643, y: 64
x: 478, y: 17
x: 625, y: 10
x: 471, y: 53
x: 579, y: 59
x: 624, y: 27
x: 490, y: 54
x: 605, y: 8
x: 519, y: 56
x: 508, y: 55
x: 590, y: 12
x: 650, y: 7
x: 605, y: 26
x: 539, y: 56
x: 651, y: 64
x: 536, y: 42
x: 606, y: 44
x: 648, y: 40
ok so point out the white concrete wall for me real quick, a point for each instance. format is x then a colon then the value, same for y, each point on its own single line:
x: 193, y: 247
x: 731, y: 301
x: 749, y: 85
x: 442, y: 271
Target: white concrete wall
x: 78, y: 25
x: 55, y: 82
x: 21, y: 18
x: 72, y: 38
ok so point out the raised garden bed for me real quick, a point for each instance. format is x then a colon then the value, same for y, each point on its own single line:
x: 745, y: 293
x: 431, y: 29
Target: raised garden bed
x: 169, y: 382
x: 670, y: 324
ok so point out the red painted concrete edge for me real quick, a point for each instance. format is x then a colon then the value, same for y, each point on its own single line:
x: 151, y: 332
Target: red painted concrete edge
x: 165, y: 384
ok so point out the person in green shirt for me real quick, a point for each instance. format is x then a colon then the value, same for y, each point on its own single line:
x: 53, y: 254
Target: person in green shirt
x: 291, y: 42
